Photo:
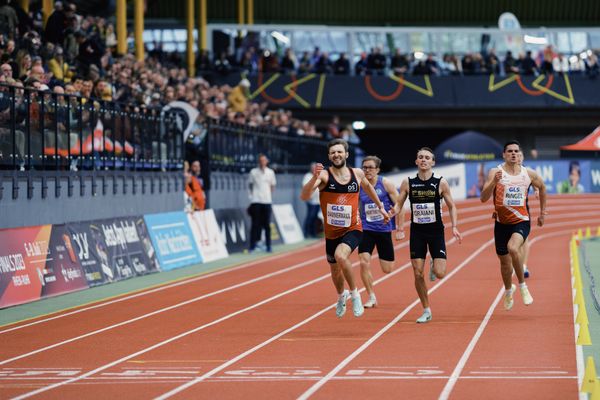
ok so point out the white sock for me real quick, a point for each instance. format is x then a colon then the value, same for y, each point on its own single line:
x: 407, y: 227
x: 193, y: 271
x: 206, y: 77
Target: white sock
x: 372, y: 297
x: 522, y: 285
x: 427, y: 310
x: 525, y: 267
x: 508, y: 292
x: 354, y: 292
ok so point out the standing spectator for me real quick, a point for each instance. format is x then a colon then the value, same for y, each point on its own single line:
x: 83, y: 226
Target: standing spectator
x: 288, y: 62
x: 238, y: 96
x: 560, y: 64
x: 360, y: 68
x: 376, y: 62
x: 262, y: 183
x: 56, y: 24
x: 591, y: 66
x: 324, y: 64
x: 312, y: 206
x: 492, y: 63
x: 8, y: 20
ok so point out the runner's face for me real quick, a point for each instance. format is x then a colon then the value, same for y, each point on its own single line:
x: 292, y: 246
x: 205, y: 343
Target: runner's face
x: 370, y: 169
x: 512, y: 154
x: 338, y: 156
x: 424, y: 160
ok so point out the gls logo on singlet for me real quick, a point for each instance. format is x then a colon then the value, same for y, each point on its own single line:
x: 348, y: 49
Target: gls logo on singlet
x: 353, y: 187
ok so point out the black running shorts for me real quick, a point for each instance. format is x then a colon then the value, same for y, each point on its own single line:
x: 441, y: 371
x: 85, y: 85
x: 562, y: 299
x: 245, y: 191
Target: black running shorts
x: 503, y: 233
x: 383, y: 241
x: 420, y: 240
x: 351, y: 238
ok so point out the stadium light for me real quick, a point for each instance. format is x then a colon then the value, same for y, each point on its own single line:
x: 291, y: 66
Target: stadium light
x: 281, y: 37
x: 359, y: 125
x: 535, y: 40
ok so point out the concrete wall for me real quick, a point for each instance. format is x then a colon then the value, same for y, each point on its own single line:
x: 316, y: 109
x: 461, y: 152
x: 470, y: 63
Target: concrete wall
x: 38, y: 197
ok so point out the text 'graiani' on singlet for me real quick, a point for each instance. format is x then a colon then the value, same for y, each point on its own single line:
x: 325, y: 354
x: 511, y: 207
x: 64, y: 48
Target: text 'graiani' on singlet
x: 339, y: 204
x: 425, y: 202
x: 510, y: 197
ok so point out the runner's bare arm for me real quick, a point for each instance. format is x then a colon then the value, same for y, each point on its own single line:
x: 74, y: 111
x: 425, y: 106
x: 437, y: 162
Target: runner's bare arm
x: 319, y: 177
x: 538, y: 183
x: 370, y: 191
x: 488, y: 187
x: 447, y: 195
x: 393, y: 193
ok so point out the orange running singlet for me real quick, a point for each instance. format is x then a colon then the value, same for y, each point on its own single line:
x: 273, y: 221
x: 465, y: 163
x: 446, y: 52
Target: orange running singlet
x: 339, y: 204
x: 510, y: 197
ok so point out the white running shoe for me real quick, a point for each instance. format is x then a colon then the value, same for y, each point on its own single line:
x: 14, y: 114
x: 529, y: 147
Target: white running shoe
x: 432, y: 276
x: 357, y: 307
x: 371, y: 303
x: 426, y: 317
x: 340, y: 308
x: 508, y: 298
x: 527, y: 298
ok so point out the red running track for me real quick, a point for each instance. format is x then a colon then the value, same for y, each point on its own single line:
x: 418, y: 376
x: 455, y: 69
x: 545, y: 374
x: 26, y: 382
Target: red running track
x: 268, y: 330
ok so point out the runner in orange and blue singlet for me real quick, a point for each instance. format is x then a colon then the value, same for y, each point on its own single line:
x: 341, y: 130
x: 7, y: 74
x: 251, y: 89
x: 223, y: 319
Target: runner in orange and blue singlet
x: 339, y: 188
x: 509, y: 185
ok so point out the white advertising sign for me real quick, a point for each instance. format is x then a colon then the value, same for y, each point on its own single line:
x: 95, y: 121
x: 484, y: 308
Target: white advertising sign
x: 288, y: 225
x: 207, y: 235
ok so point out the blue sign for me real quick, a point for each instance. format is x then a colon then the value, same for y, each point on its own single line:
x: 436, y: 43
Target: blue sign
x: 172, y: 239
x: 595, y: 177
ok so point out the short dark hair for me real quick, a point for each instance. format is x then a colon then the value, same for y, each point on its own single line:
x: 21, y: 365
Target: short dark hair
x: 427, y: 149
x: 335, y: 142
x: 511, y: 142
x: 375, y: 159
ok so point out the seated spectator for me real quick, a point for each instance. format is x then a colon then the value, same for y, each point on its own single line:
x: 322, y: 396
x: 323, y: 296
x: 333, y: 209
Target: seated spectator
x: 324, y: 64
x: 360, y: 68
x: 560, y: 64
x: 511, y: 65
x: 547, y: 60
x: 288, y: 62
x: 399, y: 63
x: 528, y: 65
x: 592, y: 69
x: 376, y: 62
x: 341, y: 66
x: 492, y: 63
x: 432, y: 64
x: 304, y: 64
x: 61, y: 71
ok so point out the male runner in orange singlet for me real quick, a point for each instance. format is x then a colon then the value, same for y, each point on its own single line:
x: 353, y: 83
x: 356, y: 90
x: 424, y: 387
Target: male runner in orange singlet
x: 339, y: 188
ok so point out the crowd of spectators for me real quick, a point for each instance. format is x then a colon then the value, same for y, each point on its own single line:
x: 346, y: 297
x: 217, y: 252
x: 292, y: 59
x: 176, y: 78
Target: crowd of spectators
x: 76, y: 55
x: 400, y: 63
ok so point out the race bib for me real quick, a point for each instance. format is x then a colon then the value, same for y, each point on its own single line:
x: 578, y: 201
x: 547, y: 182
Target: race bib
x: 423, y: 213
x: 372, y: 213
x: 338, y: 215
x: 514, y: 196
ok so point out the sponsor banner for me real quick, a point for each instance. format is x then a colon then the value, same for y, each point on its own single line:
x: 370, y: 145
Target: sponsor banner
x: 235, y: 228
x: 453, y: 173
x: 287, y: 223
x: 113, y: 249
x: 173, y: 240
x: 207, y: 235
x: 595, y: 176
x: 37, y: 262
x: 560, y: 177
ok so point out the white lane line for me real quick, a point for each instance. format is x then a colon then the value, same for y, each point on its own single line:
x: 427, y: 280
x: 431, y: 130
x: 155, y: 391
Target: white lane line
x: 40, y: 390
x: 467, y: 353
x: 392, y: 323
x: 471, y: 346
x: 159, y: 311
x: 145, y: 292
x: 185, y: 281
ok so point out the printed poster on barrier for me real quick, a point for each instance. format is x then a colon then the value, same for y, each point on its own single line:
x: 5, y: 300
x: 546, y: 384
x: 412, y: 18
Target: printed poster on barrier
x: 234, y: 225
x: 113, y: 249
x: 37, y: 262
x: 287, y: 223
x: 173, y: 240
x: 207, y: 235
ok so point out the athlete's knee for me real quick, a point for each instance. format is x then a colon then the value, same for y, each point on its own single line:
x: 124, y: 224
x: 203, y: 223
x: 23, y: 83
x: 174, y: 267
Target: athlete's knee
x: 387, y: 266
x: 514, y: 248
x: 418, y: 273
x: 340, y: 256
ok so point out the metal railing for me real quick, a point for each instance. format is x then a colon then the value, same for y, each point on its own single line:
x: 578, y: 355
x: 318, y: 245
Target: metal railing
x: 234, y: 147
x: 42, y: 130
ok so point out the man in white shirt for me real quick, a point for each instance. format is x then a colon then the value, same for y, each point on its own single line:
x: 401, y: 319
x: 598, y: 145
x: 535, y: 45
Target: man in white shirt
x: 262, y: 183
